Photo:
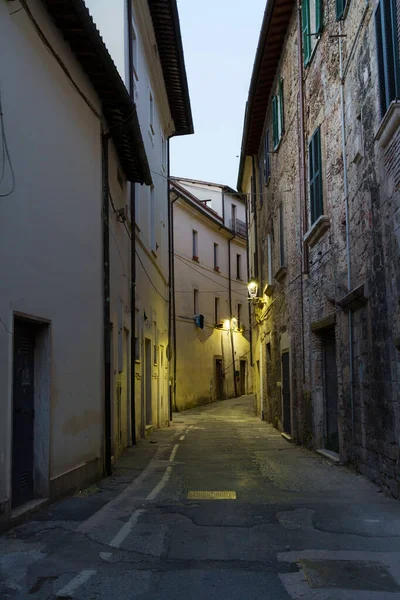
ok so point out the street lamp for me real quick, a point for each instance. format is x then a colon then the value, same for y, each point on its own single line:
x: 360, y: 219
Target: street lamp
x: 252, y: 287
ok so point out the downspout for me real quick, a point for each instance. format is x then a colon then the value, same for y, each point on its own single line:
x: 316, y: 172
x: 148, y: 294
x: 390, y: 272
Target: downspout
x: 106, y: 306
x: 133, y: 252
x: 346, y: 200
x: 230, y: 313
x: 171, y: 291
x: 254, y: 204
x: 248, y: 279
x: 303, y: 179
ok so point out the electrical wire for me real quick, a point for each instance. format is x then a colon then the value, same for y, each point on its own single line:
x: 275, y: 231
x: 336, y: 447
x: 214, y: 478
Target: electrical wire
x: 5, y: 326
x: 186, y: 261
x: 149, y: 278
x: 6, y: 155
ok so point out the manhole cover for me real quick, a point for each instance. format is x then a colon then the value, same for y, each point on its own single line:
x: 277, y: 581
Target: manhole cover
x: 208, y: 495
x: 349, y: 575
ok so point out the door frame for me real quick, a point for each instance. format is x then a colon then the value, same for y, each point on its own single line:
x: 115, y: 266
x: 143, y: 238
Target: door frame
x: 216, y: 358
x: 42, y: 404
x: 285, y: 348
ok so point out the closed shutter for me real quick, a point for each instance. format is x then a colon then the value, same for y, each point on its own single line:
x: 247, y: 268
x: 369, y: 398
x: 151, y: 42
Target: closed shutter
x: 267, y: 157
x: 315, y: 174
x: 305, y: 15
x: 275, y: 121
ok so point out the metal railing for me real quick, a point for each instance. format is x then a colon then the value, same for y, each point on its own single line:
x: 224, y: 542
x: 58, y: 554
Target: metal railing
x: 238, y: 226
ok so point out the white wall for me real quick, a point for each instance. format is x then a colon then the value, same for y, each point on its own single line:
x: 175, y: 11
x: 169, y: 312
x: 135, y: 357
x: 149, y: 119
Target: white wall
x: 50, y: 236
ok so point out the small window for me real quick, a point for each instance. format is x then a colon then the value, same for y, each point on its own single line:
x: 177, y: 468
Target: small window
x: 151, y: 101
x: 315, y: 175
x: 233, y: 215
x: 238, y: 266
x: 196, y: 302
x: 269, y: 259
x: 134, y: 55
x: 267, y: 158
x: 195, y: 245
x: 281, y: 236
x: 341, y: 8
x: 278, y: 122
x: 153, y: 241
x: 239, y: 315
x: 216, y: 261
x: 311, y: 12
x: 216, y: 311
x: 137, y: 336
x: 388, y: 53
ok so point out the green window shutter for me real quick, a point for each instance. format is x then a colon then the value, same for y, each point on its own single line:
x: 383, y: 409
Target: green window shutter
x: 319, y: 17
x: 315, y: 175
x: 387, y: 53
x: 282, y: 115
x: 275, y: 121
x: 267, y: 157
x: 305, y: 15
x: 340, y: 6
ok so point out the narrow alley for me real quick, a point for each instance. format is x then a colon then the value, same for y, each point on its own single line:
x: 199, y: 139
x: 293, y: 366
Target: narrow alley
x: 219, y: 505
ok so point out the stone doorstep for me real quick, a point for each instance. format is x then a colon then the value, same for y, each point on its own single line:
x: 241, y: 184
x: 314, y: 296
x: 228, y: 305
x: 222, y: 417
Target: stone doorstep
x: 25, y: 511
x: 329, y: 454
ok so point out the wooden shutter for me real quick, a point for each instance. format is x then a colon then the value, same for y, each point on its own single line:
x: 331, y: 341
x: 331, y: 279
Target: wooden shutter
x: 387, y: 53
x: 340, y: 6
x: 275, y: 121
x: 319, y: 17
x: 305, y: 15
x: 315, y: 174
x: 282, y: 107
x: 267, y: 157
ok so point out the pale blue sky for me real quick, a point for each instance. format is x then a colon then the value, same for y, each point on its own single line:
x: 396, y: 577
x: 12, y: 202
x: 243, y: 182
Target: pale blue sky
x: 219, y: 40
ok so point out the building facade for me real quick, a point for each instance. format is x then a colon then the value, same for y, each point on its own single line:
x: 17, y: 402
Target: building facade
x: 318, y: 161
x: 211, y: 319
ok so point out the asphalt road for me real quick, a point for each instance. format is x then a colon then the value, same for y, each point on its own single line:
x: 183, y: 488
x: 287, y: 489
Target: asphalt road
x: 217, y: 506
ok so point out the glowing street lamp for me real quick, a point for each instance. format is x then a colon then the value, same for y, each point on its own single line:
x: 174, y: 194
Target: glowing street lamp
x: 252, y: 287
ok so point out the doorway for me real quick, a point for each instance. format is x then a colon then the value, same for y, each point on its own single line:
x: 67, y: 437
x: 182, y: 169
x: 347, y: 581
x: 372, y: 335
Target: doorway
x: 219, y: 379
x: 242, y: 377
x: 286, y: 411
x: 330, y: 392
x: 148, y: 366
x: 23, y: 412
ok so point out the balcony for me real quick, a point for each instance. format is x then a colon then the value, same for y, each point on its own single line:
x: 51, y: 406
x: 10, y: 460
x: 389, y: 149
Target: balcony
x: 239, y: 227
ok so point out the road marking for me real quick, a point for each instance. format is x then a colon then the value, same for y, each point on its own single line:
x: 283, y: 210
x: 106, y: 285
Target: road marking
x: 75, y: 583
x: 165, y: 478
x: 182, y: 438
x: 126, y: 529
x: 208, y: 495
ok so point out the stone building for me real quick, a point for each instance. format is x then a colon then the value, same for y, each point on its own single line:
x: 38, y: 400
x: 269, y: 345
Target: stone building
x: 320, y: 164
x: 210, y: 307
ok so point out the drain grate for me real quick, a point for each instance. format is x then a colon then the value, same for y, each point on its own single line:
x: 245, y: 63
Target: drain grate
x: 209, y: 495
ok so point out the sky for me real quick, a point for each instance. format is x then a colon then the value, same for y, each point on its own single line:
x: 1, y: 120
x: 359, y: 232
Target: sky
x: 219, y: 40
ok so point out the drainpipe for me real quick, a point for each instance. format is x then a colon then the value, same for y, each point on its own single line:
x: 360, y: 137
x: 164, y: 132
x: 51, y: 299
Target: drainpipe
x: 254, y: 192
x: 133, y: 251
x: 303, y: 179
x: 346, y: 199
x: 171, y: 290
x: 248, y: 279
x: 230, y: 318
x: 106, y: 306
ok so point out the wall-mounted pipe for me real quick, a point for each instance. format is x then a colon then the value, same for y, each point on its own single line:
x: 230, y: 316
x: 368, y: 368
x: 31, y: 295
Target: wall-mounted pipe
x: 231, y: 315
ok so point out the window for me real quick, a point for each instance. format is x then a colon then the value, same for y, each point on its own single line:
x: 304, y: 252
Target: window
x: 163, y: 152
x: 238, y: 266
x: 315, y: 174
x: 278, y: 115
x: 388, y: 53
x: 155, y: 345
x: 281, y: 236
x: 267, y: 158
x: 153, y: 242
x: 233, y: 215
x: 269, y: 258
x: 151, y: 101
x: 196, y: 302
x: 239, y: 315
x: 261, y: 181
x: 311, y: 14
x: 137, y: 337
x: 340, y: 8
x: 216, y: 311
x: 195, y: 245
x: 216, y: 265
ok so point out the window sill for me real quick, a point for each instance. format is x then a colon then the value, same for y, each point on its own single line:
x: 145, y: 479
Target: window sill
x: 281, y: 274
x: 317, y: 230
x: 310, y: 58
x: 389, y: 124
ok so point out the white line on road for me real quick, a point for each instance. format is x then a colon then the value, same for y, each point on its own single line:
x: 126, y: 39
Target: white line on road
x: 75, y: 583
x: 182, y: 438
x: 165, y: 478
x: 126, y: 529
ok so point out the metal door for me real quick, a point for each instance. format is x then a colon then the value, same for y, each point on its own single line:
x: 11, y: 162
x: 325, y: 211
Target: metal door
x: 242, y: 377
x: 330, y: 392
x: 23, y: 412
x: 219, y: 381
x: 287, y: 421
